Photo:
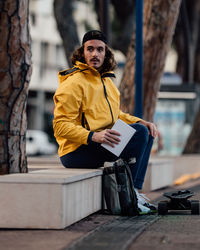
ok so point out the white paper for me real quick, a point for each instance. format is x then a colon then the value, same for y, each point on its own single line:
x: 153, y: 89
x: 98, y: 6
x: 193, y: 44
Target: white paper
x: 126, y: 132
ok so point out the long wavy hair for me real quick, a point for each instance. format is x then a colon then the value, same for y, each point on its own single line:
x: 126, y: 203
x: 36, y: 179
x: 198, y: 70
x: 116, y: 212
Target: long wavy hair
x: 109, y: 63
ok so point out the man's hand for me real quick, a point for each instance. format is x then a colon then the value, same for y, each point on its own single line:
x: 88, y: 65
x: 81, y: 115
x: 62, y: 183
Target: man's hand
x: 108, y: 136
x: 151, y: 127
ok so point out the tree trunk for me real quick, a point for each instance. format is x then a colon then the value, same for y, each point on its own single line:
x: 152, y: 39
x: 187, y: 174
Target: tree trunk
x: 63, y: 11
x: 125, y: 11
x: 188, y: 60
x: 159, y: 23
x: 197, y: 60
x: 186, y: 39
x: 122, y: 23
x: 193, y: 141
x: 15, y: 72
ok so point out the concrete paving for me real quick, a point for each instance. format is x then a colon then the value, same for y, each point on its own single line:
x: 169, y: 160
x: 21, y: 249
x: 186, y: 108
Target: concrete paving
x: 177, y: 230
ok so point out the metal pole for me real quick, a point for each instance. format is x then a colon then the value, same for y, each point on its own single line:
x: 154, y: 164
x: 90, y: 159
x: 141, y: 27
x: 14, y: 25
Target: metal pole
x: 139, y: 60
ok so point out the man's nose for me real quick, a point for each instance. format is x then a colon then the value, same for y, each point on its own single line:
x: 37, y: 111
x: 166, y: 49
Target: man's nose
x: 94, y: 52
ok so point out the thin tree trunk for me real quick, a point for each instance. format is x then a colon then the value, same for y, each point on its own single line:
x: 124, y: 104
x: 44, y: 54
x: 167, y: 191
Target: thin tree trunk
x: 188, y: 60
x: 63, y: 11
x: 159, y: 23
x: 193, y: 141
x: 120, y: 37
x: 197, y: 60
x: 125, y: 15
x: 15, y: 72
x: 186, y: 39
x: 180, y: 46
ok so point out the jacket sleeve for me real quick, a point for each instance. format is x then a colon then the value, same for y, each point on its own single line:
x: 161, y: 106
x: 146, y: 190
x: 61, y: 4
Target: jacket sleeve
x: 67, y: 113
x: 129, y: 119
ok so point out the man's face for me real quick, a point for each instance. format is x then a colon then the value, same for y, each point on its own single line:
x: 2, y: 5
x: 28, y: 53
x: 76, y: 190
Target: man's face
x: 94, y: 53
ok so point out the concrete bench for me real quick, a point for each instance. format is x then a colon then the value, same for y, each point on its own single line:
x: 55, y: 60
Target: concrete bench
x: 55, y: 198
x: 49, y: 199
x: 160, y: 174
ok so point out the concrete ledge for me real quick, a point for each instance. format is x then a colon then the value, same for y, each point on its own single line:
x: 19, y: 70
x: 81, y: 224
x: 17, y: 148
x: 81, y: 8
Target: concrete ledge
x: 55, y: 197
x: 160, y: 174
x: 49, y: 199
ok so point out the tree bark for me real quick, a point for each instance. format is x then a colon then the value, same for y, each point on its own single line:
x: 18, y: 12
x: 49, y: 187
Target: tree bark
x: 15, y: 72
x: 193, y: 141
x: 187, y: 39
x: 160, y: 18
x: 188, y: 60
x: 122, y: 23
x: 125, y: 15
x: 63, y: 11
x: 197, y: 60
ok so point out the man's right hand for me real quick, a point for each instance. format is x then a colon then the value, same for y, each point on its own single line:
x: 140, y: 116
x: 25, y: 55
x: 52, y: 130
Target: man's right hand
x: 108, y: 136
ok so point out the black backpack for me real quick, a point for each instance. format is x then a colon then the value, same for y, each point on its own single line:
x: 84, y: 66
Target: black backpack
x: 118, y: 190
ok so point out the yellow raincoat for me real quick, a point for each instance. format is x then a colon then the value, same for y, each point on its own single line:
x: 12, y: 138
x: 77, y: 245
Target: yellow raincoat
x: 85, y: 101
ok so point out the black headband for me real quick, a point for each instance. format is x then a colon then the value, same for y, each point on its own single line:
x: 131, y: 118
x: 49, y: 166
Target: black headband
x: 94, y: 35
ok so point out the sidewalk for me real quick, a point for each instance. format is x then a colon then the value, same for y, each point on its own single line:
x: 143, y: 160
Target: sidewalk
x: 177, y: 230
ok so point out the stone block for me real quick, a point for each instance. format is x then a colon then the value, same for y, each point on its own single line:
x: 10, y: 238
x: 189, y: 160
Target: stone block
x: 49, y: 199
x: 159, y: 174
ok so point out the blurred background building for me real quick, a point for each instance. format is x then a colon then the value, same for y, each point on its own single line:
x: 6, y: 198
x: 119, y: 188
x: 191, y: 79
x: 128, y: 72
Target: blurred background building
x: 48, y: 58
x: 176, y: 107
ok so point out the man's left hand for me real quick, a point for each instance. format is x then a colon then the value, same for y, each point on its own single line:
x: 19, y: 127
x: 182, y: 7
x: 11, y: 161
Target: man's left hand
x: 151, y: 127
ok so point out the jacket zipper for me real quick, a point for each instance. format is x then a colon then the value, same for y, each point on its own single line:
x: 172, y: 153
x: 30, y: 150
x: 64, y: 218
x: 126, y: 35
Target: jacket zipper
x: 106, y: 96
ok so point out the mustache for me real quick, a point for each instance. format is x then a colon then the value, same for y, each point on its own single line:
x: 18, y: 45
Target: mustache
x: 94, y: 59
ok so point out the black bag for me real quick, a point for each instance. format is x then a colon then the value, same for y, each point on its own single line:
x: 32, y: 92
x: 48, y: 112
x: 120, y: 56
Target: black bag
x: 118, y: 189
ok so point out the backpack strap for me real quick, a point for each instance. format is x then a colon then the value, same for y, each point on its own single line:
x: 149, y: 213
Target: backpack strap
x: 133, y: 194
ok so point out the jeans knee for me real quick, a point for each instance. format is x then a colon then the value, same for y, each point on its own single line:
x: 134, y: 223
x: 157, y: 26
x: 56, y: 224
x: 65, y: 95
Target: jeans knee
x: 142, y: 131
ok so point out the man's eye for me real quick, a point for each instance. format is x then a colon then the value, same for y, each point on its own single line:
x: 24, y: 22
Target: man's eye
x: 100, y: 49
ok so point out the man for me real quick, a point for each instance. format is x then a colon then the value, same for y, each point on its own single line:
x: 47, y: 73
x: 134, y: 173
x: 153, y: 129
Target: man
x: 87, y: 106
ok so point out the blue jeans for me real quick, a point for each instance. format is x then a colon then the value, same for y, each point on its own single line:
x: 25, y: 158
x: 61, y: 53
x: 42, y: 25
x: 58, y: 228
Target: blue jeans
x: 94, y: 155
